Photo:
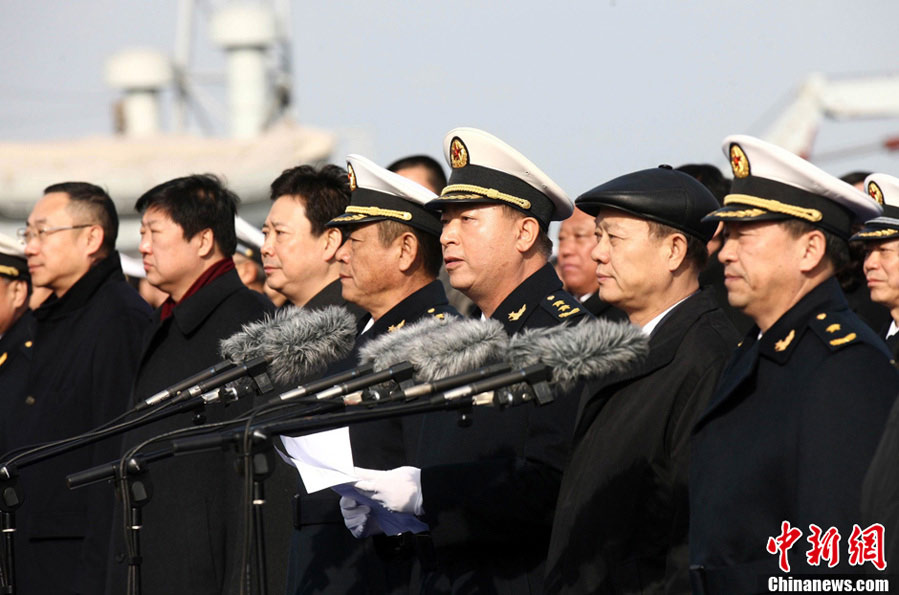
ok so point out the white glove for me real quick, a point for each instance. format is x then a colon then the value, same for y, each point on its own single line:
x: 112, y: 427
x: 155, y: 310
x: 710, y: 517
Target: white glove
x: 398, y: 490
x: 357, y: 518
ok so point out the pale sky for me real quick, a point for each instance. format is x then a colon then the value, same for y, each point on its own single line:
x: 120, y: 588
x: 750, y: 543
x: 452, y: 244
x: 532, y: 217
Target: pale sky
x: 587, y: 90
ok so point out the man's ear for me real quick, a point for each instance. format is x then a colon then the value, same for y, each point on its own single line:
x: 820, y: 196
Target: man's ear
x: 333, y: 238
x: 206, y: 246
x: 527, y: 230
x: 408, y: 246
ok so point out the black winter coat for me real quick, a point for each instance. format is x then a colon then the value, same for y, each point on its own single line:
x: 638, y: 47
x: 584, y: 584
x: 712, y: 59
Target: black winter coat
x: 191, y: 527
x: 84, y: 358
x: 621, y: 519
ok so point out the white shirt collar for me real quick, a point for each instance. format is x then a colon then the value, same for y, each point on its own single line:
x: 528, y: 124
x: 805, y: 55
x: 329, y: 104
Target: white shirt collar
x: 652, y: 324
x: 894, y: 328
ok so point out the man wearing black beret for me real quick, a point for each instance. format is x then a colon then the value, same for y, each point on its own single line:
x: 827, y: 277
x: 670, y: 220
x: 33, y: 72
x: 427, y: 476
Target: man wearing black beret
x: 621, y: 519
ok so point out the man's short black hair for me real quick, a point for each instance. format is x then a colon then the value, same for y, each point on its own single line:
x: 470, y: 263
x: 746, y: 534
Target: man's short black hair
x: 855, y: 177
x: 95, y: 202
x: 196, y: 203
x: 709, y: 176
x: 435, y: 174
x: 325, y: 192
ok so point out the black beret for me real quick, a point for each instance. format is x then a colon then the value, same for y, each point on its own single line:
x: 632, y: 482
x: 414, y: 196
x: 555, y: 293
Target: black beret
x: 662, y: 195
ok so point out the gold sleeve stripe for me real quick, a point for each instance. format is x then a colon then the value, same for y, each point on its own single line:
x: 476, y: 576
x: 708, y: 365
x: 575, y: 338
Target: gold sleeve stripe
x: 379, y: 212
x: 774, y: 206
x: 485, y: 192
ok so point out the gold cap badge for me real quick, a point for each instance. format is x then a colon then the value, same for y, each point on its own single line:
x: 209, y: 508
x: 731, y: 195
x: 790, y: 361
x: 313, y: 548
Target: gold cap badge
x: 738, y: 161
x: 875, y: 192
x: 458, y: 153
x: 351, y: 176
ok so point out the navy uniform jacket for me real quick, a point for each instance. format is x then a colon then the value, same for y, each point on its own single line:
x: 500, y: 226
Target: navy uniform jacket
x: 489, y: 490
x: 189, y: 526
x: 15, y: 362
x: 621, y: 519
x: 880, y: 490
x: 85, y: 353
x: 325, y: 557
x: 787, y: 436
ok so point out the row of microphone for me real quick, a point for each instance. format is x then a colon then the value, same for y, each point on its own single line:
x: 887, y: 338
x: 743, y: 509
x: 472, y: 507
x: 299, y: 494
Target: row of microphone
x: 439, y: 354
x: 433, y: 361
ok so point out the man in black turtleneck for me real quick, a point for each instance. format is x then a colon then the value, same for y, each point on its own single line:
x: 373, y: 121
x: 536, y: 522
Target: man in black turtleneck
x: 84, y: 357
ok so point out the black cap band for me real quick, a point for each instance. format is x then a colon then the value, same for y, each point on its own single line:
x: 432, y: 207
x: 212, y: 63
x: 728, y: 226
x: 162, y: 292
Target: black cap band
x: 478, y: 184
x: 367, y: 205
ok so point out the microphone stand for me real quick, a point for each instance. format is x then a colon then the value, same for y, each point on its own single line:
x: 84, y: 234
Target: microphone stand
x: 12, y: 496
x: 461, y: 398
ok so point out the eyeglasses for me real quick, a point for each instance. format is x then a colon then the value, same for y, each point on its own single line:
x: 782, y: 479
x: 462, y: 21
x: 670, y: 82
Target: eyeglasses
x: 26, y: 235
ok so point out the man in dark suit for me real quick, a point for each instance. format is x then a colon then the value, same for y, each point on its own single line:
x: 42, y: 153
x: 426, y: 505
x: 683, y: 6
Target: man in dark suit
x: 83, y: 360
x: 487, y: 491
x: 189, y: 527
x: 621, y: 520
x: 577, y: 270
x: 388, y: 264
x: 779, y: 454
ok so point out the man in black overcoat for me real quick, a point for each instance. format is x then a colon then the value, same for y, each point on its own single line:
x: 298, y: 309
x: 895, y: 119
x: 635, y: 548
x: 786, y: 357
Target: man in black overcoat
x: 189, y: 540
x: 488, y: 491
x: 83, y: 359
x: 779, y: 454
x: 621, y: 520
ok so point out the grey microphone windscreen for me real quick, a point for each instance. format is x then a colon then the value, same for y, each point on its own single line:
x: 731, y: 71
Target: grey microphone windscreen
x: 298, y: 342
x: 589, y: 350
x: 439, y: 348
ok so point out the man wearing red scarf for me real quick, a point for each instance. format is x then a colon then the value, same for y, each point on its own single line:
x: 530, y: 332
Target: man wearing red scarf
x: 187, y: 243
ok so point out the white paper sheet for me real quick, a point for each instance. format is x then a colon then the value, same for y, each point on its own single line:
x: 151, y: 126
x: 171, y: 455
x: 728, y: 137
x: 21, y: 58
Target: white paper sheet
x: 325, y: 460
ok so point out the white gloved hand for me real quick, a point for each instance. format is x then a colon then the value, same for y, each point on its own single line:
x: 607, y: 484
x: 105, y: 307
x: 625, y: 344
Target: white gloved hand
x: 357, y: 518
x: 398, y: 490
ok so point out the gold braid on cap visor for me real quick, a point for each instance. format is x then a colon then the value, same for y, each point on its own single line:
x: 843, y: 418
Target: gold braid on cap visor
x: 11, y: 271
x: 379, y: 212
x: 880, y: 233
x: 486, y: 193
x: 774, y: 206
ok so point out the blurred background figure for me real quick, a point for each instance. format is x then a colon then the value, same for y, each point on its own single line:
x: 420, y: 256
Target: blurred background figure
x: 577, y: 270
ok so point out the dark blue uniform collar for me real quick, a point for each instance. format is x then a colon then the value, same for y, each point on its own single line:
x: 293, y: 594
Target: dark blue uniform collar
x: 408, y: 310
x: 780, y: 340
x: 525, y: 299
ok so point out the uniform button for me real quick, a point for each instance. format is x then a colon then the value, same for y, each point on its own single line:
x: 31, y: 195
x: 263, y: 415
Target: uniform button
x: 29, y: 400
x: 28, y: 343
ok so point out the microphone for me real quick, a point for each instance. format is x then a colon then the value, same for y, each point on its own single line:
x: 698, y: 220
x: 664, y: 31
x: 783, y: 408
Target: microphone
x: 185, y: 384
x: 294, y: 343
x: 439, y: 348
x: 588, y: 350
x: 297, y: 342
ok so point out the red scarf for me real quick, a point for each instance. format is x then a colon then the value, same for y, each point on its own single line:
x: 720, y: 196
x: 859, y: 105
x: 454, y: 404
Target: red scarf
x: 208, y: 276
